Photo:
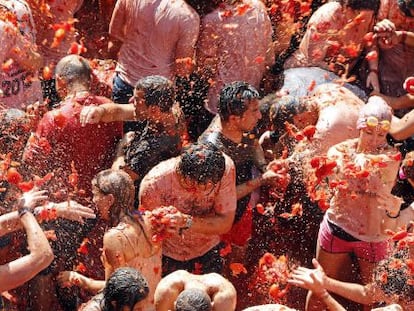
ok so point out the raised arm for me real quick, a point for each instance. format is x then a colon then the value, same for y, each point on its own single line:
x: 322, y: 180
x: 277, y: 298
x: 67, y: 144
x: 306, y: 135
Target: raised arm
x: 19, y: 271
x: 107, y: 113
x: 319, y: 283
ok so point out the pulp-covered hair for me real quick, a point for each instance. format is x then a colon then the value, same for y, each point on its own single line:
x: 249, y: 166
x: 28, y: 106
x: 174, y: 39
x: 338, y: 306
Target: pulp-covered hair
x: 124, y: 288
x: 375, y: 107
x: 120, y: 185
x: 193, y: 299
x: 158, y: 91
x: 372, y: 5
x: 74, y: 68
x: 234, y: 99
x: 202, y: 163
x: 394, y: 276
x: 284, y: 108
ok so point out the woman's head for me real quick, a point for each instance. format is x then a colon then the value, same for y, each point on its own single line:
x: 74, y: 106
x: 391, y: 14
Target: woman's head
x: 374, y: 123
x: 113, y: 193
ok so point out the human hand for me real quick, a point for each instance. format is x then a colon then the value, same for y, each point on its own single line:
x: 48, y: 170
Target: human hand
x: 384, y: 25
x: 68, y: 278
x: 277, y: 174
x: 91, y: 115
x: 69, y: 210
x: 29, y: 200
x: 310, y: 279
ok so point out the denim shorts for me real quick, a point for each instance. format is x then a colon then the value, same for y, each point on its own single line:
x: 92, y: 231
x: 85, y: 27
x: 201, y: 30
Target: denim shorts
x: 121, y: 91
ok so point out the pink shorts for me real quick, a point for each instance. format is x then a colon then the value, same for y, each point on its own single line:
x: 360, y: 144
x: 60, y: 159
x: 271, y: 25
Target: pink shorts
x: 369, y: 251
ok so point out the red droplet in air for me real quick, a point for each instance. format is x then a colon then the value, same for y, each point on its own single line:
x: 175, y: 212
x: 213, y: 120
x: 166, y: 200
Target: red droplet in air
x: 83, y: 248
x: 13, y: 176
x: 242, y: 9
x: 274, y: 291
x: 260, y: 209
x: 311, y: 86
x: 237, y: 268
x: 80, y: 268
x: 259, y: 59
x: 400, y: 235
x: 25, y: 186
x: 309, y: 131
x: 59, y: 119
x: 225, y: 250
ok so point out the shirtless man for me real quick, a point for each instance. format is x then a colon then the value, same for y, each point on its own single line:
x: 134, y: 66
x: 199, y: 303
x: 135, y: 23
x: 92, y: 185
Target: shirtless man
x: 333, y: 110
x: 221, y: 292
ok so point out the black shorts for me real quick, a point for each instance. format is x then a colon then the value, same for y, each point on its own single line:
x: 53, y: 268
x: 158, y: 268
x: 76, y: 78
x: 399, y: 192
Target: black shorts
x: 208, y: 263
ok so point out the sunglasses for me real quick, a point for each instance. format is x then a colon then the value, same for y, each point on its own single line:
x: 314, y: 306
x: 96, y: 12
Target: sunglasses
x: 373, y: 122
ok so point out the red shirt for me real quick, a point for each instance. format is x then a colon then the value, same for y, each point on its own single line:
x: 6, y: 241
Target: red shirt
x: 62, y: 140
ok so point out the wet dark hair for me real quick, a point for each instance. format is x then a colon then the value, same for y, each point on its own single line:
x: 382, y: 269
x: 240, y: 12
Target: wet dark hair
x: 405, y: 6
x: 392, y: 275
x: 74, y: 68
x: 124, y: 288
x: 120, y: 185
x: 202, y: 163
x: 234, y: 99
x: 193, y: 299
x: 372, y: 5
x: 158, y: 91
x: 283, y: 109
x: 204, y: 7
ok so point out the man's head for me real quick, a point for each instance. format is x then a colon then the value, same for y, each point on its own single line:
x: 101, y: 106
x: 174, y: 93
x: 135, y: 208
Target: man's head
x: 155, y: 91
x: 294, y: 110
x: 193, y: 299
x: 72, y: 71
x: 370, y: 5
x: 239, y: 103
x: 202, y: 164
x: 124, y: 288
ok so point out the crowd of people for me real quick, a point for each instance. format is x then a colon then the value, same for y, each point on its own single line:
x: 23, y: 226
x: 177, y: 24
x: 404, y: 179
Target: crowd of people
x: 197, y: 155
